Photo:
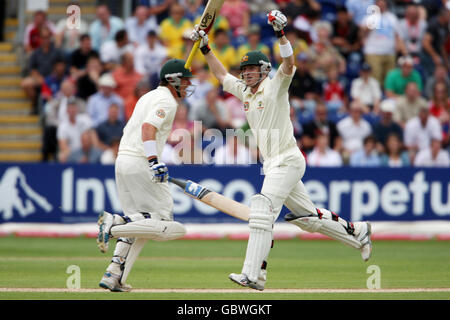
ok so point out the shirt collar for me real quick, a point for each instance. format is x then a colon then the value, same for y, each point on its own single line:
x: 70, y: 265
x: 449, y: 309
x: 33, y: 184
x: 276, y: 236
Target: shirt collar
x: 261, y: 87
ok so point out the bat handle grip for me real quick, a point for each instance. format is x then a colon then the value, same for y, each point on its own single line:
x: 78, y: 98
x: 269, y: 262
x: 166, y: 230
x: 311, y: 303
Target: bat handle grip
x: 192, y: 54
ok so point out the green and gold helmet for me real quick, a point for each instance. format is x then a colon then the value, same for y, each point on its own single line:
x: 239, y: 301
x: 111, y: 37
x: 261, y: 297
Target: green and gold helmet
x: 254, y: 58
x: 174, y: 68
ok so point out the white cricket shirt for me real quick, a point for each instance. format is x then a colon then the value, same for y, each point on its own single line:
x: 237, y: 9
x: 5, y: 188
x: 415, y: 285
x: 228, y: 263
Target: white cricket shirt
x: 158, y: 108
x: 267, y: 112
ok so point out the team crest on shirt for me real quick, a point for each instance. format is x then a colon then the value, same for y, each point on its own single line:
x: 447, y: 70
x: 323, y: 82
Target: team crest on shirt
x: 160, y: 113
x: 246, y: 105
x: 260, y: 105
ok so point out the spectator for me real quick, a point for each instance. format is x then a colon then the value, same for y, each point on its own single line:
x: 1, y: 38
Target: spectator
x: 440, y: 108
x: 202, y: 85
x: 440, y: 75
x: 233, y: 152
x: 253, y: 42
x: 358, y: 10
x: 323, y: 55
x: 141, y: 88
x: 322, y: 155
x: 98, y: 104
x: 380, y: 43
x: 212, y: 112
x: 105, y: 27
x: 433, y: 156
x: 366, y: 89
x: 303, y: 86
x: 111, y: 128
x: 367, y: 156
x: 69, y: 131
x: 345, y: 36
x: 109, y: 156
x: 353, y: 129
x: 305, y: 8
x: 420, y: 130
x: 40, y: 65
x: 159, y: 8
x: 68, y: 38
x: 223, y: 50
x: 111, y: 51
x: 237, y: 12
x: 88, y: 152
x: 412, y: 30
x: 193, y: 9
x: 434, y: 42
x: 299, y: 45
x: 80, y: 56
x: 395, y: 155
x: 52, y: 83
x: 150, y: 56
x: 140, y: 25
x: 126, y: 77
x: 386, y: 126
x: 33, y: 31
x: 408, y: 105
x: 87, y: 84
x: 398, y: 78
x: 320, y: 125
x: 173, y: 28
x: 333, y: 92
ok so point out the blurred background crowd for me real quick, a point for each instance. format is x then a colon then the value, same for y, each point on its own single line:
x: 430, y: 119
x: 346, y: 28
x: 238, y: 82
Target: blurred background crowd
x: 371, y: 86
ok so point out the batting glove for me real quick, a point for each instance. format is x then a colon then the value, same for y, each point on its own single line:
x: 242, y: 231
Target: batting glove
x: 160, y: 172
x: 201, y: 35
x: 278, y: 21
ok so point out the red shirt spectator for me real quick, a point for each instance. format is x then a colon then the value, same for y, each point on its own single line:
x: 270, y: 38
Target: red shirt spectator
x: 32, y: 35
x: 126, y: 77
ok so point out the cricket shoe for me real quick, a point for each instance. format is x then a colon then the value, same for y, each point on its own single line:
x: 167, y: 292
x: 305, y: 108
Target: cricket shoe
x: 105, y: 222
x: 242, y: 280
x: 363, y: 235
x: 111, y: 282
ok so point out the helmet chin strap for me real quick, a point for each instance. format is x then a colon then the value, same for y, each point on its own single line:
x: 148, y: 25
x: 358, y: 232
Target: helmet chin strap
x: 174, y: 80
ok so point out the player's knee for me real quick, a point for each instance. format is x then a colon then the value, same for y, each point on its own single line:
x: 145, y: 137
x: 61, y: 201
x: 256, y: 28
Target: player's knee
x: 261, y: 213
x: 171, y: 230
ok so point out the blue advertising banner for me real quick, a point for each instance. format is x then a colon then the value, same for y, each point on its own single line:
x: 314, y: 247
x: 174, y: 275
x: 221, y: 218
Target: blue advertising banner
x: 54, y: 193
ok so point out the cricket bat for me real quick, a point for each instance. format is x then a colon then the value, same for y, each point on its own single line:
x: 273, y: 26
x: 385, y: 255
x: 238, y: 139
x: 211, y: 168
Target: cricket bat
x: 213, y: 199
x: 206, y: 22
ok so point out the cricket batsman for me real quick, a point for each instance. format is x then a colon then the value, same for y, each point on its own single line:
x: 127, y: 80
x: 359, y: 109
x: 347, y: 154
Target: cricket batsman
x: 266, y: 104
x: 141, y: 179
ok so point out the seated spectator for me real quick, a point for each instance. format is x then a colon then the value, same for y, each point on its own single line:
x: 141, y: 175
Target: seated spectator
x: 111, y: 128
x: 253, y: 42
x: 333, y: 92
x: 40, y: 65
x: 420, y: 130
x: 98, y: 104
x: 33, y: 31
x: 322, y: 155
x: 193, y: 9
x: 323, y: 55
x: 433, y: 156
x: 395, y: 156
x: 440, y: 75
x: 367, y: 156
x: 149, y: 57
x: 105, y: 27
x: 52, y: 83
x: 126, y: 77
x: 408, y: 105
x: 87, y: 84
x: 412, y: 30
x: 67, y: 34
x: 111, y: 51
x: 172, y: 29
x: 88, y: 152
x: 141, y: 88
x: 358, y: 10
x: 440, y: 103
x: 296, y: 8
x: 233, y: 152
x: 223, y: 50
x: 353, y: 129
x: 109, y: 156
x: 345, y: 36
x: 69, y: 131
x: 386, y: 126
x: 381, y: 43
x: 80, y: 56
x: 366, y: 89
x: 139, y: 25
x: 299, y: 45
x: 398, y: 78
x: 320, y: 125
x: 237, y: 12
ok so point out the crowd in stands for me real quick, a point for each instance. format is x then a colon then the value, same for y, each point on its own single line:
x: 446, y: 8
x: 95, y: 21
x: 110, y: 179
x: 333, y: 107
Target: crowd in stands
x: 371, y: 85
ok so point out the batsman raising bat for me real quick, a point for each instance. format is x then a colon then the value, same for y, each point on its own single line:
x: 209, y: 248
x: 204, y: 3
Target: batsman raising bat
x: 266, y: 104
x: 141, y: 180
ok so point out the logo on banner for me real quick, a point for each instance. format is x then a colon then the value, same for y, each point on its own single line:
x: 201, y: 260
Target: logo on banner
x: 18, y: 196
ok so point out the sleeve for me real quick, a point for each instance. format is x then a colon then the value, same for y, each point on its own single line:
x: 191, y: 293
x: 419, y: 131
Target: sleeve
x: 158, y: 116
x: 281, y: 82
x: 234, y: 86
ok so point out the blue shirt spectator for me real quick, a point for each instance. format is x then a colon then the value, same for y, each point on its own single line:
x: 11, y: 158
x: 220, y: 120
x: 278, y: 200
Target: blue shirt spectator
x: 112, y: 128
x: 104, y: 28
x: 367, y: 156
x: 359, y: 9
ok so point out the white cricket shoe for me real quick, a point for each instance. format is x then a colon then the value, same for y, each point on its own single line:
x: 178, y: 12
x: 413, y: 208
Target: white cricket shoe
x: 111, y: 282
x: 242, y: 280
x: 105, y: 222
x: 365, y: 230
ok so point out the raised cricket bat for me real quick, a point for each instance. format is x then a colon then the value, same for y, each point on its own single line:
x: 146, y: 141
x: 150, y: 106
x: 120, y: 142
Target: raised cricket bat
x: 213, y: 199
x: 206, y: 22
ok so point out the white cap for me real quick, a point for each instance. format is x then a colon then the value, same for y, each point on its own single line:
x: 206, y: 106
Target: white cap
x: 387, y: 105
x: 405, y: 60
x: 107, y: 80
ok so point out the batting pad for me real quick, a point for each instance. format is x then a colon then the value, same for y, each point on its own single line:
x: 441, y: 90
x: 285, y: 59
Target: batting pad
x: 158, y: 230
x: 327, y: 227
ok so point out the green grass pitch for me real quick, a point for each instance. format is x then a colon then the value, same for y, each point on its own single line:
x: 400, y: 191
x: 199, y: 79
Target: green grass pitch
x: 205, y: 264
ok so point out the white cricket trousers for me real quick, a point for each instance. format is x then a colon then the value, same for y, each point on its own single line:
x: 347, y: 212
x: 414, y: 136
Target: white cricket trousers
x: 137, y: 192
